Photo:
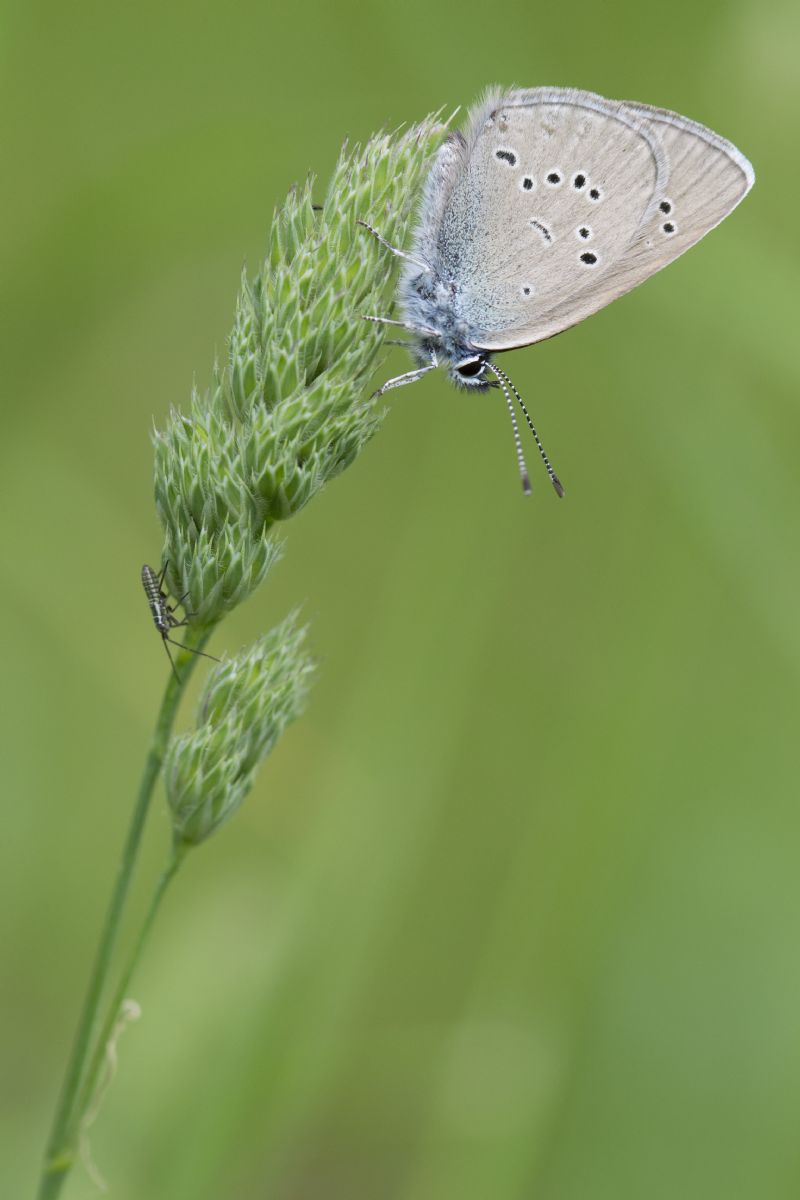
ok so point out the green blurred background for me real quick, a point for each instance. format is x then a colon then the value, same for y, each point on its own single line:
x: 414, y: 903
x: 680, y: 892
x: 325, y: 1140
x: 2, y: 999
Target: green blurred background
x: 513, y: 911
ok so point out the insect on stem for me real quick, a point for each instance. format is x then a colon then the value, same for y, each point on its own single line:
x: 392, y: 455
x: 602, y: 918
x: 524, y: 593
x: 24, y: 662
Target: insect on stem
x: 163, y: 613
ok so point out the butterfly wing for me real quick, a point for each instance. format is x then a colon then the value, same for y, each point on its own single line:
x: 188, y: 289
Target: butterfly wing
x: 562, y: 201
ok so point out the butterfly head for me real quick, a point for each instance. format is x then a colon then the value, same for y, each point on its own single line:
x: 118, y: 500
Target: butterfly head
x: 468, y: 369
x: 471, y: 372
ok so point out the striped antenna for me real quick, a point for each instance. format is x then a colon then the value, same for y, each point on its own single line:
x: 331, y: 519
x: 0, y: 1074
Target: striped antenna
x: 523, y: 470
x: 502, y: 377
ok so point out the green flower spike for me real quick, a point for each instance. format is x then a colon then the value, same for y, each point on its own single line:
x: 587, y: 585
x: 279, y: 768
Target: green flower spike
x: 288, y: 409
x: 247, y: 703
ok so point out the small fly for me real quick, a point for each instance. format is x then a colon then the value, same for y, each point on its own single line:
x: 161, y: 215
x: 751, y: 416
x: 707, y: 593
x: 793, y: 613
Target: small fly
x: 163, y: 613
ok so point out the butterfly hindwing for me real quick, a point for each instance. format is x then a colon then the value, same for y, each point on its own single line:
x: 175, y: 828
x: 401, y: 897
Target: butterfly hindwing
x: 707, y: 178
x: 558, y: 201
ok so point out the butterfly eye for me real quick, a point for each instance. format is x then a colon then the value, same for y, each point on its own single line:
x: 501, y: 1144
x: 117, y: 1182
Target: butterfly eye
x: 471, y: 368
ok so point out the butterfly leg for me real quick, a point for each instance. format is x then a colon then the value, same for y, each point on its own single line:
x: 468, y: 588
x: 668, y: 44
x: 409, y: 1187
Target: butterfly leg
x: 393, y: 249
x: 421, y: 330
x: 402, y: 380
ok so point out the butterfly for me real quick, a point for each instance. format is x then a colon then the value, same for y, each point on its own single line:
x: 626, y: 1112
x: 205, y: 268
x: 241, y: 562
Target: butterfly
x: 550, y: 205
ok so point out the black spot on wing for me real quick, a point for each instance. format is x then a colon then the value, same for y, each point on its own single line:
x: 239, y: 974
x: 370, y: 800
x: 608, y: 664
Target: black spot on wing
x: 507, y: 156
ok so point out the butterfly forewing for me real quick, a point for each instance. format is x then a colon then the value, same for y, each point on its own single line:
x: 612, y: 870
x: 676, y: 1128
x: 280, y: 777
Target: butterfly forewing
x: 566, y: 201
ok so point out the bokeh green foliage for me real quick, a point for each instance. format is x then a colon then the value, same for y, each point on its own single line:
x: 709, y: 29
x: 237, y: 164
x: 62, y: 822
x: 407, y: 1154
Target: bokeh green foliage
x: 513, y: 912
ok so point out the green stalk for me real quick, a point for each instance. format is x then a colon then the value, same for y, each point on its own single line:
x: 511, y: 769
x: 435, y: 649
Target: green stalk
x: 92, y: 1072
x: 62, y: 1143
